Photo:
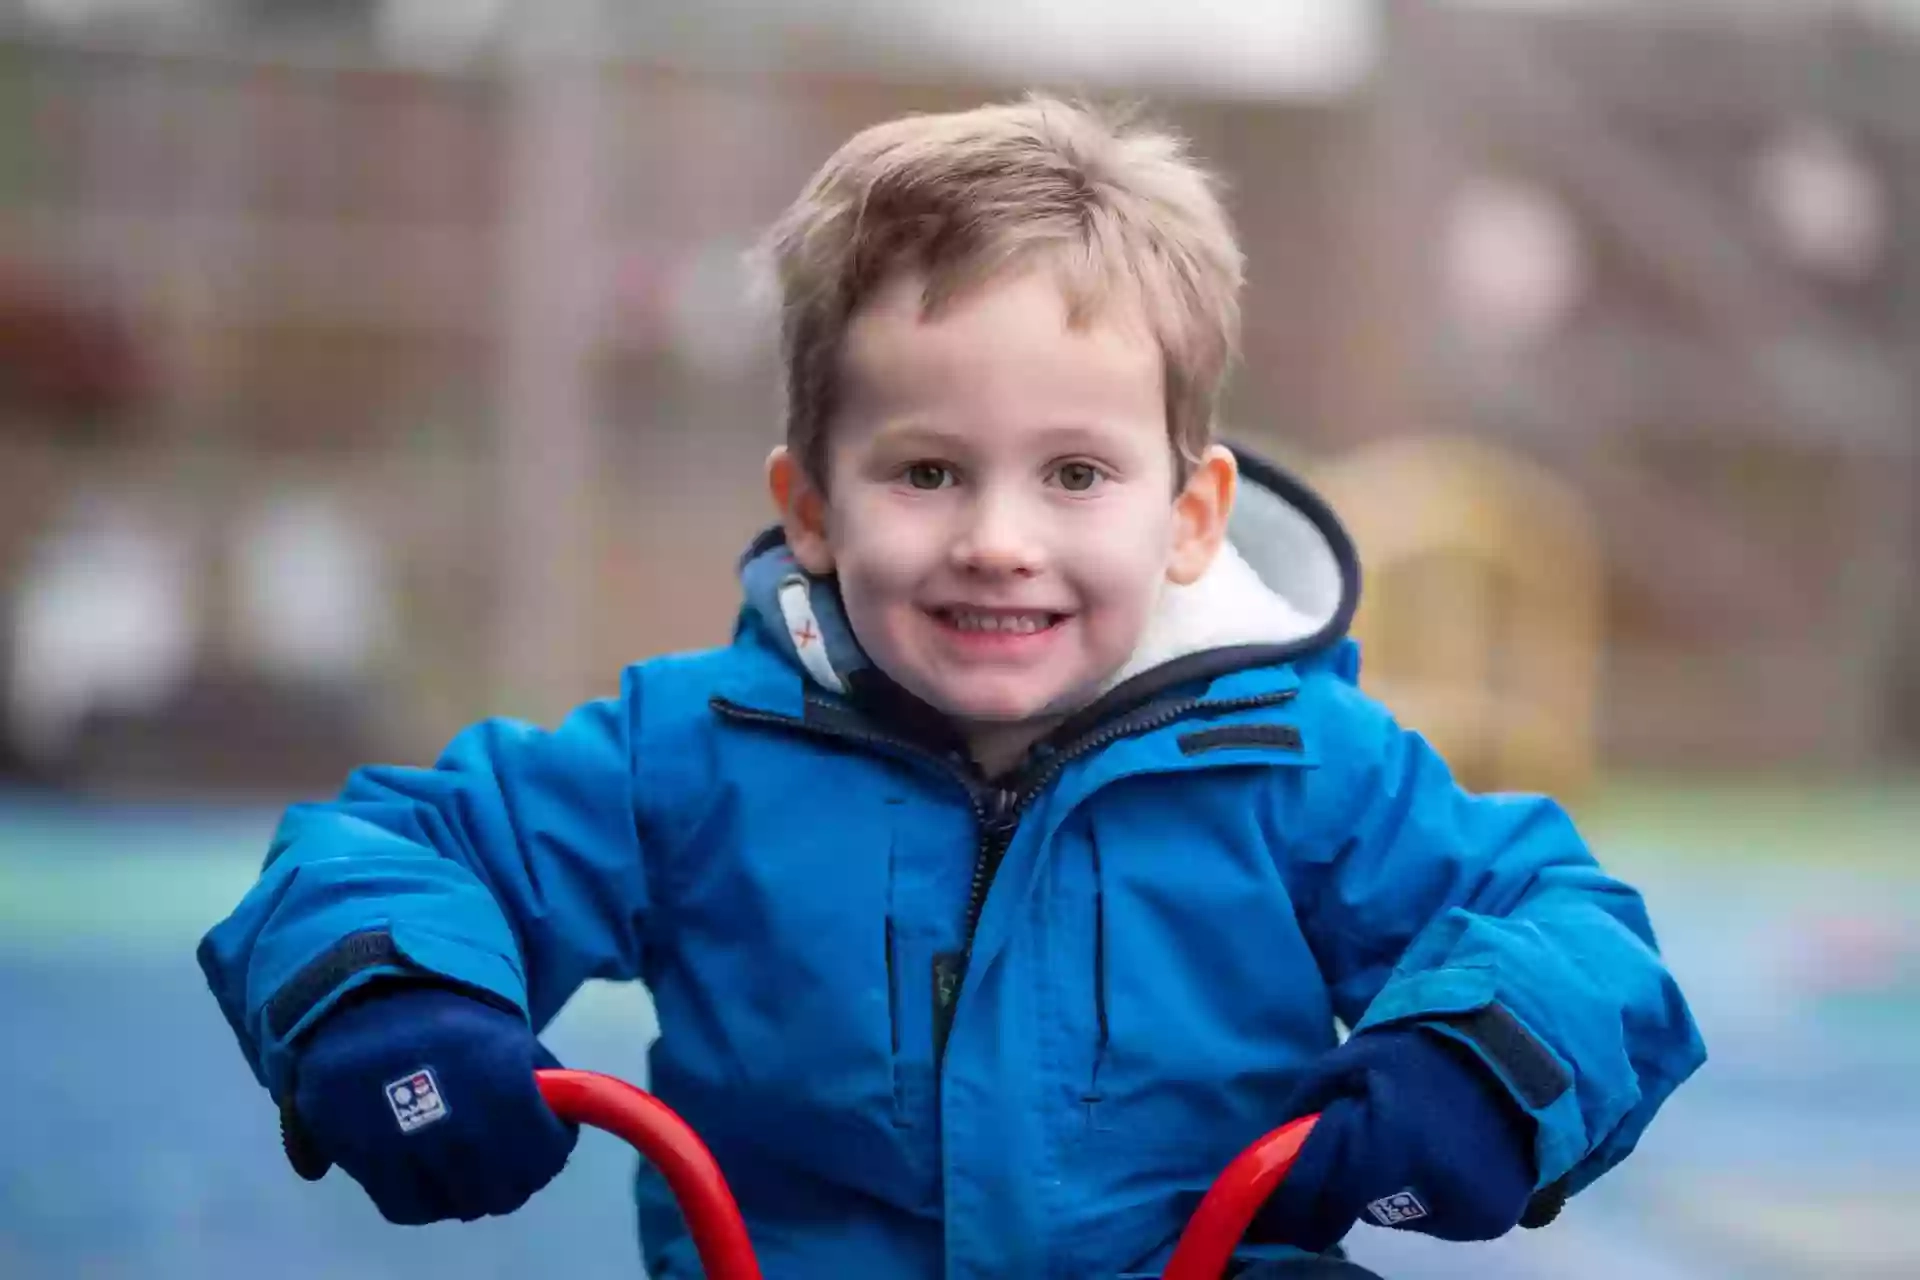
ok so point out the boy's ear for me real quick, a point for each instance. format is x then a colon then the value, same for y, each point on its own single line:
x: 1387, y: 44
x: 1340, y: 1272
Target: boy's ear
x: 1200, y: 512
x: 803, y: 511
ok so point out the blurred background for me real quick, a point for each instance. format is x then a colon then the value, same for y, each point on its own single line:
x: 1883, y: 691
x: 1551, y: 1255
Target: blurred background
x: 369, y: 366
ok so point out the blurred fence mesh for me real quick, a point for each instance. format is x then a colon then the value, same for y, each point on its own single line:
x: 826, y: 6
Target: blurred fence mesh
x: 443, y: 384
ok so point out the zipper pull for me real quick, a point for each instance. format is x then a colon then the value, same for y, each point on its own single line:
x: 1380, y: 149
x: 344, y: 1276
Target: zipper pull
x: 949, y: 973
x: 1003, y: 813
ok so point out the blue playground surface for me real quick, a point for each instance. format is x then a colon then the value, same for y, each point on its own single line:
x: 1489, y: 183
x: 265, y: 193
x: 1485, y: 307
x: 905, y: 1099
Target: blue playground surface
x: 137, y: 1145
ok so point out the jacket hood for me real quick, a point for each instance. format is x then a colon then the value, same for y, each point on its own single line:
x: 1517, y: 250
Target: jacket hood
x: 1285, y: 584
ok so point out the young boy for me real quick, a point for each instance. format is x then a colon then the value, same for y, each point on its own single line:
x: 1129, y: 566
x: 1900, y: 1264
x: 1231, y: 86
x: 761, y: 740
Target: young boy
x: 1009, y: 871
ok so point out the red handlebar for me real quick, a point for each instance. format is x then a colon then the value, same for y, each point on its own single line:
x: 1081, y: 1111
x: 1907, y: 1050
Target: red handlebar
x: 1216, y: 1227
x: 720, y: 1236
x: 672, y: 1147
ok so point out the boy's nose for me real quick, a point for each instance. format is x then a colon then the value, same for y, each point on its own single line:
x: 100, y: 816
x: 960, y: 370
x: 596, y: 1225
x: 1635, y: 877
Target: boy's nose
x: 997, y: 541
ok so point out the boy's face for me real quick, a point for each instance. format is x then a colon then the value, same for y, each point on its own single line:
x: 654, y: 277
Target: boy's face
x: 1001, y: 506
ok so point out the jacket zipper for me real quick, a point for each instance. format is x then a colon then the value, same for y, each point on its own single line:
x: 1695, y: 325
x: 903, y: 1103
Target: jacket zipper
x: 998, y: 809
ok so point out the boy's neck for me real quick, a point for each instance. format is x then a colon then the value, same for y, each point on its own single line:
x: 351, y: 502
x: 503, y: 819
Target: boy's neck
x: 998, y: 749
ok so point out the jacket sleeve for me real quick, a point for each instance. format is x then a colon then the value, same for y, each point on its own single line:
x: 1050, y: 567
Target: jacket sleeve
x: 1485, y: 917
x: 513, y: 866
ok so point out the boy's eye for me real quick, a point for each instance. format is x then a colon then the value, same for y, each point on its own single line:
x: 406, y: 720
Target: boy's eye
x: 928, y: 475
x: 1077, y: 477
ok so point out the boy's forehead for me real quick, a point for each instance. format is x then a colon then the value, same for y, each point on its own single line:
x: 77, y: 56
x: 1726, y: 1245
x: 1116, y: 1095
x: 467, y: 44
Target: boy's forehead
x: 1006, y: 344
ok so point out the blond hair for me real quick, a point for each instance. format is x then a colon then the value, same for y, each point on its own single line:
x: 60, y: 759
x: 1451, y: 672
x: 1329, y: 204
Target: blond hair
x: 1117, y: 209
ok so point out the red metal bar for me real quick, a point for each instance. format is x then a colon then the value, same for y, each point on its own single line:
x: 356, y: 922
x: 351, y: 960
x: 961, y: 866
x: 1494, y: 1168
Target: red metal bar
x: 1217, y: 1226
x: 713, y: 1219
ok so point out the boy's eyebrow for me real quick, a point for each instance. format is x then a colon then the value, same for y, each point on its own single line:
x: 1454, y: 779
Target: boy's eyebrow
x: 910, y: 433
x: 1063, y: 435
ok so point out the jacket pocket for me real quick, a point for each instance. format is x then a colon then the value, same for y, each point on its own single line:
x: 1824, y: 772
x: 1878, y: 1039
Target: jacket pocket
x: 897, y: 942
x: 1102, y: 1031
x: 902, y: 1113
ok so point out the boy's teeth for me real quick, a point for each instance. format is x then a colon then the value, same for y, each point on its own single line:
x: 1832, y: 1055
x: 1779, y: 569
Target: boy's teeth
x: 1019, y: 624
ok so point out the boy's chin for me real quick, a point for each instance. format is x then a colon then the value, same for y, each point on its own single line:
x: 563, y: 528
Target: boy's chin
x: 1006, y: 708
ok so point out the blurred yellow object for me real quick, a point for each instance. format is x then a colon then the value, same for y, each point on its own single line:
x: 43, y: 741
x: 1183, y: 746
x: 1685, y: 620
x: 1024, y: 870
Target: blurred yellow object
x: 1481, y: 614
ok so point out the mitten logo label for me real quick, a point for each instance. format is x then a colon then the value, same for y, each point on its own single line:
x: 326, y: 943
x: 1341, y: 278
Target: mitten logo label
x: 1396, y: 1209
x: 416, y: 1100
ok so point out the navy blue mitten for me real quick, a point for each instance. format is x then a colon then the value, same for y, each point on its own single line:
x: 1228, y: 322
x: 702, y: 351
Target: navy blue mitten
x: 426, y: 1097
x: 1415, y: 1132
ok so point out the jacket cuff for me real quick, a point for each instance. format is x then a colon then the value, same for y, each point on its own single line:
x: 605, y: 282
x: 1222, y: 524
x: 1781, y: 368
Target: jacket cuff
x: 1461, y: 1003
x: 369, y: 956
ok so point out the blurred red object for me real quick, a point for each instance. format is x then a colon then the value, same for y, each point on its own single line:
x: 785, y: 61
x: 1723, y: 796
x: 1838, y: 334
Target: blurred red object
x: 68, y: 362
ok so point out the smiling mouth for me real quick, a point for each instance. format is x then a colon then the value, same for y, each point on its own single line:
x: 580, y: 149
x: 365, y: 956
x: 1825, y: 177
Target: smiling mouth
x: 1009, y: 622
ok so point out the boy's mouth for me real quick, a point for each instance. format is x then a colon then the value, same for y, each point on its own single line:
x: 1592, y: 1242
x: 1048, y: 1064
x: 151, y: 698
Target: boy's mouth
x: 1007, y: 622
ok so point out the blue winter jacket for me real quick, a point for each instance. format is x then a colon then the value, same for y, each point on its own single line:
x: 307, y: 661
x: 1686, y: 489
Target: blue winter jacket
x: 933, y: 1024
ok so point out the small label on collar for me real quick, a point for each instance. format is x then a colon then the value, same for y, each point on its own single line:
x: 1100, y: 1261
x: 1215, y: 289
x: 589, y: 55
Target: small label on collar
x: 803, y: 628
x: 1276, y: 737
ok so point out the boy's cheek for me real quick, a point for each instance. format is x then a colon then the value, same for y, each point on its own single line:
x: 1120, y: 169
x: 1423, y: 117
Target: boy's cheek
x: 890, y: 556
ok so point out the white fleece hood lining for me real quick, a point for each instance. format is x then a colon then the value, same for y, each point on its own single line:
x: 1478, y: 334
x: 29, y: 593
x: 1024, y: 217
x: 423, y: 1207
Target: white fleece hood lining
x: 1275, y: 580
